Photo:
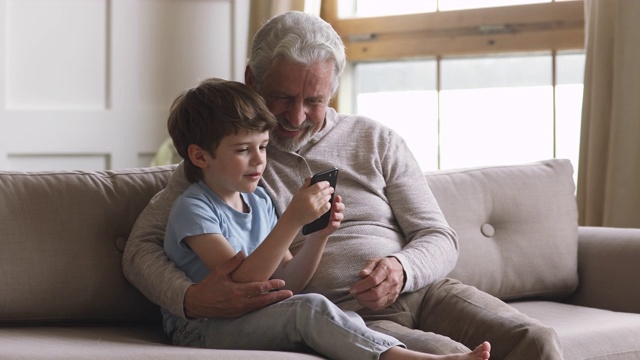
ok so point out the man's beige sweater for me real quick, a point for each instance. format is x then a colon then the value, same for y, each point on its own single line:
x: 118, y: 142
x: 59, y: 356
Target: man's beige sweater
x: 389, y: 211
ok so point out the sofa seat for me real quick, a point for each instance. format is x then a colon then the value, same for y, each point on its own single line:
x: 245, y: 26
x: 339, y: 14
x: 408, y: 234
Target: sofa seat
x: 588, y: 333
x: 81, y: 342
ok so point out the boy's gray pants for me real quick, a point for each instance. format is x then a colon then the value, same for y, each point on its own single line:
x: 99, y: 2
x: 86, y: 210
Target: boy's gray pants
x: 301, y: 323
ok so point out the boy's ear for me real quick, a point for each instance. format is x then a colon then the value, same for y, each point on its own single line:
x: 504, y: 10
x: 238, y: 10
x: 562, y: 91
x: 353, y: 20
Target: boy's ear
x: 198, y: 156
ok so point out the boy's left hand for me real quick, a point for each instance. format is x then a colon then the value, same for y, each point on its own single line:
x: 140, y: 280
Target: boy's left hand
x: 337, y: 215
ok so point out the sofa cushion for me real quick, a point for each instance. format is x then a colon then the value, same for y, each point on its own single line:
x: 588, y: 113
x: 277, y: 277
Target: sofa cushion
x: 60, y: 256
x: 114, y: 342
x: 517, y: 227
x: 588, y: 333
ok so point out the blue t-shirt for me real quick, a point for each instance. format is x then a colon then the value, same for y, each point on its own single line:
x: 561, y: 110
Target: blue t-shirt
x: 200, y: 211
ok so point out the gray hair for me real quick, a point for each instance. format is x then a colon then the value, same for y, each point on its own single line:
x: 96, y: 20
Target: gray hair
x: 298, y: 37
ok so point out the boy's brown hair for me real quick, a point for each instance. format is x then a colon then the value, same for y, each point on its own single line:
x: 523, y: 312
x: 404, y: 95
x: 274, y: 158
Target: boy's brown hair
x: 215, y: 108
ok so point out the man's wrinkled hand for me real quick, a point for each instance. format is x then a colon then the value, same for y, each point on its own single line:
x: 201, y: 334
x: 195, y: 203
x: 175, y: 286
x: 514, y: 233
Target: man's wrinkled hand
x: 381, y: 283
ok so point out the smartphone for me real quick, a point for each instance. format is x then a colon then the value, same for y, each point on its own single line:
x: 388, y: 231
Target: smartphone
x: 320, y: 223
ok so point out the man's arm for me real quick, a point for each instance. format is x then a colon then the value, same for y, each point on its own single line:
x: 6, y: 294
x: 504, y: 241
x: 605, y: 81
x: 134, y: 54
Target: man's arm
x: 432, y: 245
x: 431, y: 251
x: 145, y: 263
x: 147, y: 267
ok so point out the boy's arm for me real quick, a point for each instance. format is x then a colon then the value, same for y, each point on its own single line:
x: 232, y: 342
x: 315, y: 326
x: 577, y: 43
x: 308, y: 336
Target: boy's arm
x: 214, y: 249
x: 260, y: 265
x: 309, y: 203
x: 265, y: 259
x: 297, y: 271
x: 147, y: 267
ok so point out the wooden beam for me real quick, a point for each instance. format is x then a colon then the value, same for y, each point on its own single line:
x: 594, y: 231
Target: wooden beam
x: 550, y: 26
x: 329, y: 11
x: 387, y: 48
x: 560, y: 12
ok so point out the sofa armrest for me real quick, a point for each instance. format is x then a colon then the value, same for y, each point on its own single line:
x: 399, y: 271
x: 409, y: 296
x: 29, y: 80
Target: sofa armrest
x: 608, y: 268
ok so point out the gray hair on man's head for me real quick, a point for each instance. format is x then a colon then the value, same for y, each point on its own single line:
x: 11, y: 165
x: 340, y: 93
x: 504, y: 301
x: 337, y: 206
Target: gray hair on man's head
x: 298, y: 37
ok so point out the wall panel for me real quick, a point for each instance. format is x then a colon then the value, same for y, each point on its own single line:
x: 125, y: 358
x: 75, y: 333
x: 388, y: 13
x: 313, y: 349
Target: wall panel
x: 55, y: 54
x: 89, y: 83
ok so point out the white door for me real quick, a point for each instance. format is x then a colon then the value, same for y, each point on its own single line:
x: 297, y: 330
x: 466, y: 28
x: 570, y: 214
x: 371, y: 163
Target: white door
x: 87, y: 84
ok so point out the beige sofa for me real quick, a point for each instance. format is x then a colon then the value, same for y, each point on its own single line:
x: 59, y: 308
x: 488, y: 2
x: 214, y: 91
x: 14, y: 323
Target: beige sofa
x: 63, y: 295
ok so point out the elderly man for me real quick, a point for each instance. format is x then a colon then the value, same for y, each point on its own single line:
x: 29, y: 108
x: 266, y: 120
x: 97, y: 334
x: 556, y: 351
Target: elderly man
x: 389, y: 259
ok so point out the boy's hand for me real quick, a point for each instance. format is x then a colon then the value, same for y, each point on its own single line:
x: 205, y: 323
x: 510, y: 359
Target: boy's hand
x: 337, y: 215
x: 309, y: 203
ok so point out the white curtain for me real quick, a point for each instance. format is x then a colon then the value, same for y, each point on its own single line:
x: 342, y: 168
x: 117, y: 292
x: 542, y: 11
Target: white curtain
x: 608, y: 192
x: 259, y: 12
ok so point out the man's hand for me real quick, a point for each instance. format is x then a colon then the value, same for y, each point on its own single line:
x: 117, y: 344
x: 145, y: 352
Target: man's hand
x: 217, y: 296
x: 381, y: 283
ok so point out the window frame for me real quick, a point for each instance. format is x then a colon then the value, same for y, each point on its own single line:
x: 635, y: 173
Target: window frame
x: 518, y: 29
x: 557, y: 25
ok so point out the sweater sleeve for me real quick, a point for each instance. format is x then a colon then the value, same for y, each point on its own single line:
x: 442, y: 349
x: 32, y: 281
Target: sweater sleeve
x: 145, y: 263
x: 431, y: 249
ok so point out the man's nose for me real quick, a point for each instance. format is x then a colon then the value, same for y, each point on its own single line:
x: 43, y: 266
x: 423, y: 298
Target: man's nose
x: 297, y: 113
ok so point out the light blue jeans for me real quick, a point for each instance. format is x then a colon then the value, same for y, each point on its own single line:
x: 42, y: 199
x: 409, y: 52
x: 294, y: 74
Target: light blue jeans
x: 301, y: 323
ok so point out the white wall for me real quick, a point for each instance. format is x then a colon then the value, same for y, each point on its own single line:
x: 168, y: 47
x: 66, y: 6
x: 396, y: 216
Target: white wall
x: 87, y: 84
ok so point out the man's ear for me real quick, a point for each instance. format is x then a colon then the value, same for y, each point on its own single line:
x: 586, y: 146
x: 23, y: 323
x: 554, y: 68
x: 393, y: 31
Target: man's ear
x: 248, y: 78
x: 198, y: 156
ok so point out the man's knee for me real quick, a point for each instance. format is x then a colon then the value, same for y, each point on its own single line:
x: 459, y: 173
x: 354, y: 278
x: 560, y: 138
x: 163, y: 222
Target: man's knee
x: 542, y: 332
x: 544, y: 340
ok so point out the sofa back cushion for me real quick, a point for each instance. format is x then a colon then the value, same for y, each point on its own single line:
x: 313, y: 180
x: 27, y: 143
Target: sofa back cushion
x: 61, y: 241
x: 517, y: 227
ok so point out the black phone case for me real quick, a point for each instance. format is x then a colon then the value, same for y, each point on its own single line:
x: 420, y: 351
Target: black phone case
x: 320, y: 223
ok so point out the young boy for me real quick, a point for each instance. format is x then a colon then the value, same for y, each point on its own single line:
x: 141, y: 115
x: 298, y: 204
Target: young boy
x: 221, y: 130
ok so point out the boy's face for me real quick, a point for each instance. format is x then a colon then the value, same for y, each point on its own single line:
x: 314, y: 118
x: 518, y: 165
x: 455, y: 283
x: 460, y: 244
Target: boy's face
x: 239, y: 162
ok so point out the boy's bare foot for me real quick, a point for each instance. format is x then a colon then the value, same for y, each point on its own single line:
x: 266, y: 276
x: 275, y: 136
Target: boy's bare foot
x: 481, y: 352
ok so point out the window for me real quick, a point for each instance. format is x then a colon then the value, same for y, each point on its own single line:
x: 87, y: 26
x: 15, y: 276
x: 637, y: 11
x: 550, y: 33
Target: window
x: 488, y: 110
x: 475, y: 87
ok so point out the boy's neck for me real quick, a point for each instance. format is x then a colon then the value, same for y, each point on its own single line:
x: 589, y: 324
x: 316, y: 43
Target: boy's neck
x: 237, y: 203
x: 233, y: 199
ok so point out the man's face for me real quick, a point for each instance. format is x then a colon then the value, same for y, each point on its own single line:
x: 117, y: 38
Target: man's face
x: 298, y: 96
